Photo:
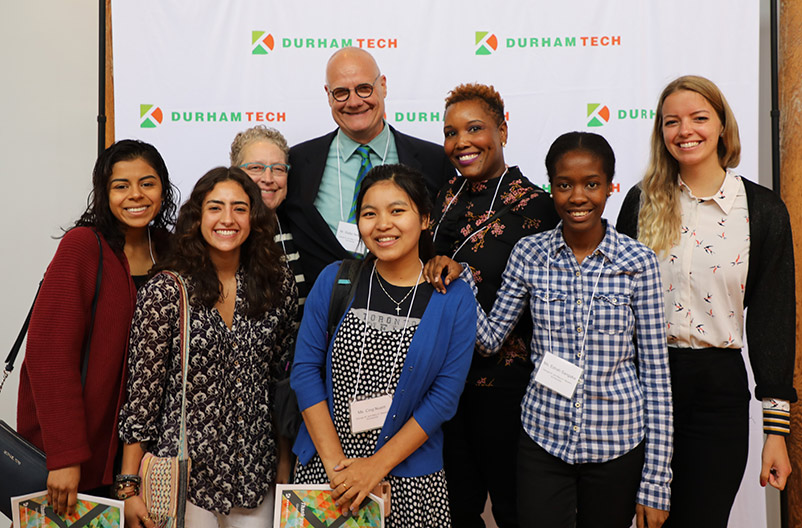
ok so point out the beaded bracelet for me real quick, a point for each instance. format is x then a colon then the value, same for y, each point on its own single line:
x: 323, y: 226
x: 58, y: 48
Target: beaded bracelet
x: 136, y: 479
x: 126, y: 490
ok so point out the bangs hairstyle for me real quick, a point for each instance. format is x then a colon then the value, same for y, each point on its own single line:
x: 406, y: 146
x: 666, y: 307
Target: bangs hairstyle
x: 411, y: 182
x: 257, y: 133
x: 488, y: 95
x: 659, y: 216
x: 260, y: 258
x: 98, y: 211
x: 589, y: 142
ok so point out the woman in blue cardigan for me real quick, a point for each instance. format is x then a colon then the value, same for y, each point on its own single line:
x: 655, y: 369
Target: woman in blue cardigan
x: 375, y: 396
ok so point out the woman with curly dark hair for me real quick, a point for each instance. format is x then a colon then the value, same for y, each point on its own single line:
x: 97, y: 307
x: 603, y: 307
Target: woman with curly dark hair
x: 129, y: 211
x: 242, y: 305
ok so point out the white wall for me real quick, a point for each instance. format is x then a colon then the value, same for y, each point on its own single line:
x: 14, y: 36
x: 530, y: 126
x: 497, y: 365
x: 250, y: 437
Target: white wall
x: 48, y: 56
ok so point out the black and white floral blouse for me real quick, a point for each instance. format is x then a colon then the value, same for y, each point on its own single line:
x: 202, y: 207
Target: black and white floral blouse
x: 229, y: 387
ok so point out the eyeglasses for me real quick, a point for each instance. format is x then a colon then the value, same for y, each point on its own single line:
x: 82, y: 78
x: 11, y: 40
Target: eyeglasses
x: 256, y: 168
x: 363, y: 90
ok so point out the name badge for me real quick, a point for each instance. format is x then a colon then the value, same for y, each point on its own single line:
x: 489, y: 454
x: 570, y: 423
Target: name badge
x: 370, y: 413
x: 348, y: 237
x: 559, y: 375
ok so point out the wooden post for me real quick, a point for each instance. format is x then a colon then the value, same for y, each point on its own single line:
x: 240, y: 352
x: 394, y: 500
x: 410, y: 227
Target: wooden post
x: 109, y: 79
x: 790, y: 92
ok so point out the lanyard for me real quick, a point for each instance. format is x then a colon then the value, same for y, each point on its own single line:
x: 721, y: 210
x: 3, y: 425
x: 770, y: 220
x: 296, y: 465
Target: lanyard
x: 548, y: 301
x: 339, y: 180
x: 487, y: 213
x: 400, y: 339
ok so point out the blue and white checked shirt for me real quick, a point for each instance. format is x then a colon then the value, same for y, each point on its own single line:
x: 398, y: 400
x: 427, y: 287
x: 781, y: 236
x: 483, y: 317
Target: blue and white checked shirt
x: 613, y: 407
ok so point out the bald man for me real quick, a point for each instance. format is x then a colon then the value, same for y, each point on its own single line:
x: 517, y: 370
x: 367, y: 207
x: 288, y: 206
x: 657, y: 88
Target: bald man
x: 323, y: 177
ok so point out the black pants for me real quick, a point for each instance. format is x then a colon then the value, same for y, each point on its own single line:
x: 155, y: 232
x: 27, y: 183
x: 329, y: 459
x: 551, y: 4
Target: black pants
x: 711, y: 435
x: 479, y: 456
x: 555, y: 494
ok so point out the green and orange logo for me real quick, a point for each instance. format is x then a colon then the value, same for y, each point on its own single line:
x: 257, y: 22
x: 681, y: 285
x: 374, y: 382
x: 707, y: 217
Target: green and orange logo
x: 486, y: 43
x: 261, y: 42
x: 150, y: 116
x: 598, y: 115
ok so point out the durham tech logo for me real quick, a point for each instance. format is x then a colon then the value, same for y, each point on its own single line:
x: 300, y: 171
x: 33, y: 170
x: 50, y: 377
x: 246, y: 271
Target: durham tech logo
x: 262, y: 42
x: 150, y: 116
x: 598, y: 115
x: 486, y: 43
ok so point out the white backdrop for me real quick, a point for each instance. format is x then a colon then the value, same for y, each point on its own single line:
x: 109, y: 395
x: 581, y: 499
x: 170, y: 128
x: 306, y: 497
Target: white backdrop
x: 209, y: 69
x: 190, y: 74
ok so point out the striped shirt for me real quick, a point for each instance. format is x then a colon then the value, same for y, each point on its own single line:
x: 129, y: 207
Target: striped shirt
x: 616, y: 404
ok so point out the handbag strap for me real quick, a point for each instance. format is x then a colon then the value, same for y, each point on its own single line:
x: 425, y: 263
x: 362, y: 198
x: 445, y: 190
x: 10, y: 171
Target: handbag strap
x: 183, y: 328
x: 12, y: 356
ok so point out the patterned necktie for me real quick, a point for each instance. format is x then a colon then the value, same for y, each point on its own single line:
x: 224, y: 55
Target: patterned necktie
x: 363, y: 151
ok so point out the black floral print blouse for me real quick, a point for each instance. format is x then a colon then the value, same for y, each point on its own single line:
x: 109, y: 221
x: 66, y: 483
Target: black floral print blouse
x: 229, y: 387
x: 487, y: 252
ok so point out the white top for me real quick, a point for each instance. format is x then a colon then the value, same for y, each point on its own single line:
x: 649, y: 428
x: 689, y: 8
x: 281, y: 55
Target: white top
x: 704, y: 275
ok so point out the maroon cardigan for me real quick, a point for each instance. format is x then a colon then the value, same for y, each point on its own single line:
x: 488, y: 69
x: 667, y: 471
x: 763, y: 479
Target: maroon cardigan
x: 71, y: 425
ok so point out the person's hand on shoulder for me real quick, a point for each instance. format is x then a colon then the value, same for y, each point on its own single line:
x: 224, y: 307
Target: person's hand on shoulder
x: 434, y: 269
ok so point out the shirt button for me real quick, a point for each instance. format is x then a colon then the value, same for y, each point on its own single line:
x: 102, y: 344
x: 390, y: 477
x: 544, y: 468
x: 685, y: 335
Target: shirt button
x: 577, y: 405
x: 579, y: 354
x: 236, y: 363
x: 576, y: 428
x: 579, y: 301
x: 394, y: 417
x: 234, y: 344
x: 579, y: 329
x: 578, y: 274
x: 386, y: 437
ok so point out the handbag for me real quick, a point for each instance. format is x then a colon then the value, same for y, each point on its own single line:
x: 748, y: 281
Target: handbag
x: 165, y: 480
x: 23, y: 466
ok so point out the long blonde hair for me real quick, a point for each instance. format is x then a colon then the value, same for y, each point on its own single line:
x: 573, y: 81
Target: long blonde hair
x: 660, y: 216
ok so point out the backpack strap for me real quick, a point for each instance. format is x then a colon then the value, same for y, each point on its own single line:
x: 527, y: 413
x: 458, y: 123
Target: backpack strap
x: 342, y: 292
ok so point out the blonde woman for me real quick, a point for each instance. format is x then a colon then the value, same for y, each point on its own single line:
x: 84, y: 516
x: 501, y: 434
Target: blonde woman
x: 724, y: 245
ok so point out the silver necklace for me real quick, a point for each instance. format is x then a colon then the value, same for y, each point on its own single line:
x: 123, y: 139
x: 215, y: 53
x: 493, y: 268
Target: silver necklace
x: 397, y: 303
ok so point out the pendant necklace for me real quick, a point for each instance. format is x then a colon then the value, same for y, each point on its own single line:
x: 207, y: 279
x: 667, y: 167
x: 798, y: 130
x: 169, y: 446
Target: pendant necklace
x: 397, y: 303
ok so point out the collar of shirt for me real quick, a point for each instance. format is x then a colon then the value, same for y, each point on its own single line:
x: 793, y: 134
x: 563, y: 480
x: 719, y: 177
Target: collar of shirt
x: 378, y: 145
x: 724, y: 198
x: 608, y: 247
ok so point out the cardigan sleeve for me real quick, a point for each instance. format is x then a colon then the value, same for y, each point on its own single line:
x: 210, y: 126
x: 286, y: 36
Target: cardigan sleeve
x: 627, y: 222
x: 308, y: 378
x: 771, y: 300
x: 58, y: 328
x: 439, y: 404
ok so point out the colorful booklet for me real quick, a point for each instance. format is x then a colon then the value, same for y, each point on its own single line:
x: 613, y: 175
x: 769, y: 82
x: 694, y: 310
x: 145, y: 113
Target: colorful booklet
x: 34, y: 511
x: 311, y: 506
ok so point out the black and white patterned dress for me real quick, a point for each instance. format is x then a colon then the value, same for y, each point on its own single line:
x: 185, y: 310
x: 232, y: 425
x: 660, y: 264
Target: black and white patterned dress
x: 417, y: 502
